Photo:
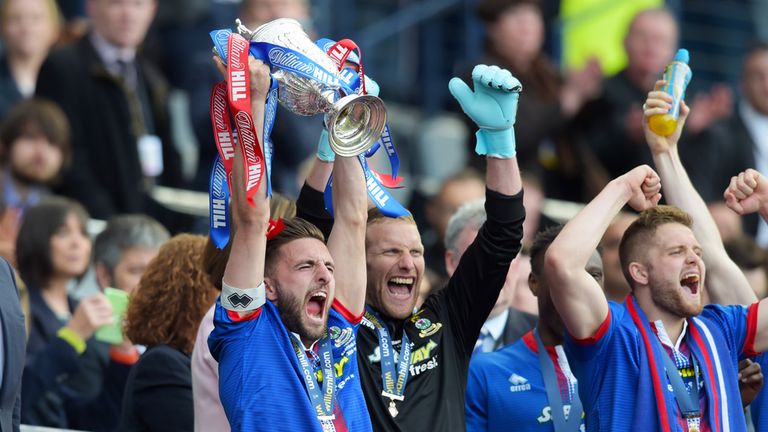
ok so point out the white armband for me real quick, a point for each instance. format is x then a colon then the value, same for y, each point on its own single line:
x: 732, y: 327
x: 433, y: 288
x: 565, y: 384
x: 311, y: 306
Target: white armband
x: 242, y: 300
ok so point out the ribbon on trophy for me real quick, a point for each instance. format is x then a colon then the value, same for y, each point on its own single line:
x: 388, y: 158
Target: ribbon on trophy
x: 343, y: 51
x: 218, y: 204
x: 354, y: 82
x: 226, y: 138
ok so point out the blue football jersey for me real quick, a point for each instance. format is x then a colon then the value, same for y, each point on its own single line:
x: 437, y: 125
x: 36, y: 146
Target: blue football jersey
x: 260, y: 380
x: 506, y: 390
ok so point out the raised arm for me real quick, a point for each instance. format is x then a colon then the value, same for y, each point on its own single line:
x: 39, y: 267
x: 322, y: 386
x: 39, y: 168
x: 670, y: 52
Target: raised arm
x: 245, y: 266
x: 347, y: 240
x: 577, y: 296
x: 748, y: 193
x: 475, y: 285
x: 726, y: 283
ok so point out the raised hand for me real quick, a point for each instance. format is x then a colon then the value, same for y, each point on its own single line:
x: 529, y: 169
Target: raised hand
x: 493, y: 104
x: 659, y: 102
x: 644, y: 185
x: 92, y: 312
x: 747, y: 193
x: 750, y: 381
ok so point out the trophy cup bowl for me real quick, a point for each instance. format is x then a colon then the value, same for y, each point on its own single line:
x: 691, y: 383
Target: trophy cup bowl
x: 354, y: 122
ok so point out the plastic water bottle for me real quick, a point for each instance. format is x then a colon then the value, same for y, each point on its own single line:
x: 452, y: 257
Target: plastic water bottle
x: 677, y: 74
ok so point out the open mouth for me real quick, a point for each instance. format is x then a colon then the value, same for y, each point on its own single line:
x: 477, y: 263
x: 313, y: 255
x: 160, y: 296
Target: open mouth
x: 400, y: 287
x: 315, y: 308
x: 691, y: 281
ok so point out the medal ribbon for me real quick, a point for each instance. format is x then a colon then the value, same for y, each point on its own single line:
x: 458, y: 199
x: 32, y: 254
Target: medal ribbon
x: 688, y: 402
x: 391, y: 388
x: 553, y: 393
x: 323, y: 401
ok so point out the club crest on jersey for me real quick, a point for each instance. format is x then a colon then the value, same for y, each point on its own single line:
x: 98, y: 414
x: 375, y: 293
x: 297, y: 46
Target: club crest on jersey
x: 518, y: 383
x: 340, y: 337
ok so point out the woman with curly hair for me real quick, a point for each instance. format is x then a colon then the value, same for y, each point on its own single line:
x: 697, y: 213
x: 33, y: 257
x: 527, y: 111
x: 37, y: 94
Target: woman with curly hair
x: 163, y: 314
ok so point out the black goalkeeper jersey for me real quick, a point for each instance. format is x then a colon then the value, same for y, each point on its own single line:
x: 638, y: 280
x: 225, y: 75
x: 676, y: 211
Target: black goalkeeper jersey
x: 443, y: 333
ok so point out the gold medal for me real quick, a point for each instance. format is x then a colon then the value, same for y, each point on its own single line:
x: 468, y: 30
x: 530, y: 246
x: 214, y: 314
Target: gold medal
x: 393, y: 409
x: 693, y: 428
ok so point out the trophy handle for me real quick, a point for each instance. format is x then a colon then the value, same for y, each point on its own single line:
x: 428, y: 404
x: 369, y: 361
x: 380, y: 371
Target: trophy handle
x: 355, y: 123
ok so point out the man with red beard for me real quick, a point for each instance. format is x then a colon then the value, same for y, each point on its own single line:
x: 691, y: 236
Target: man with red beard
x: 661, y: 361
x: 286, y: 321
x: 413, y: 366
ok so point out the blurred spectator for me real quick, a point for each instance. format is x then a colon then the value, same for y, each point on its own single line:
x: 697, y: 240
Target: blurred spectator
x: 457, y: 190
x: 504, y: 324
x: 125, y: 248
x: 752, y: 260
x: 748, y: 129
x: 52, y: 249
x: 12, y: 353
x: 516, y: 285
x: 116, y: 104
x: 515, y: 36
x: 728, y: 222
x: 120, y: 254
x: 614, y: 283
x: 34, y: 149
x: 612, y: 125
x: 28, y: 28
x: 164, y: 314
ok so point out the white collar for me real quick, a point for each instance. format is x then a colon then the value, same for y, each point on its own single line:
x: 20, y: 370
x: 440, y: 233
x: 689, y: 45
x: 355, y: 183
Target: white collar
x: 109, y: 53
x: 495, y: 326
x: 664, y: 336
x: 298, y: 338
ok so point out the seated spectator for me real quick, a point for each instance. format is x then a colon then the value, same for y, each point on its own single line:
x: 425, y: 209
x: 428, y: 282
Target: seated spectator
x: 614, y: 284
x: 120, y: 254
x: 746, y: 130
x: 459, y: 189
x: 125, y: 248
x: 164, y: 313
x: 515, y: 37
x: 34, y: 149
x: 505, y: 324
x: 752, y: 260
x: 28, y: 29
x: 612, y: 124
x: 53, y: 249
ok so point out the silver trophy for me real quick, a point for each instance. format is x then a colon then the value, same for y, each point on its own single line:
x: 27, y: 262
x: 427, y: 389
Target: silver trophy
x: 355, y: 122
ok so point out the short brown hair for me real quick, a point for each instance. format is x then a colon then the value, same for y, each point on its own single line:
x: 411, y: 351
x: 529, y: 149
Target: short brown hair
x: 376, y: 216
x: 295, y: 229
x: 172, y: 297
x: 36, y: 117
x: 639, y: 233
x: 215, y: 260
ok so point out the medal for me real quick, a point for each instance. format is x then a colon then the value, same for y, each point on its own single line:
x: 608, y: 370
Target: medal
x: 393, y: 411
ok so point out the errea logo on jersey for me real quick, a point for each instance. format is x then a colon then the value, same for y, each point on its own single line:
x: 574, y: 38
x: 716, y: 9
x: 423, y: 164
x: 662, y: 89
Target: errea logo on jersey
x: 518, y: 383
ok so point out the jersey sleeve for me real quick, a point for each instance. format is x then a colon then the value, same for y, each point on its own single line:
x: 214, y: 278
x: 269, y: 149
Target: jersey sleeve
x: 738, y: 325
x: 476, y: 398
x: 584, y: 354
x: 474, y: 287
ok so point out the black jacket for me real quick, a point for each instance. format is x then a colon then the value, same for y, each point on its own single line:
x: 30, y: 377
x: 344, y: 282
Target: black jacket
x: 106, y: 173
x: 14, y: 336
x: 158, y: 395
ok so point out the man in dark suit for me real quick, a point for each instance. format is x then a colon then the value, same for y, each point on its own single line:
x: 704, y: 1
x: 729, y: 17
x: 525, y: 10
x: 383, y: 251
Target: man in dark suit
x: 748, y: 129
x: 504, y: 324
x: 12, y: 349
x: 116, y: 104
